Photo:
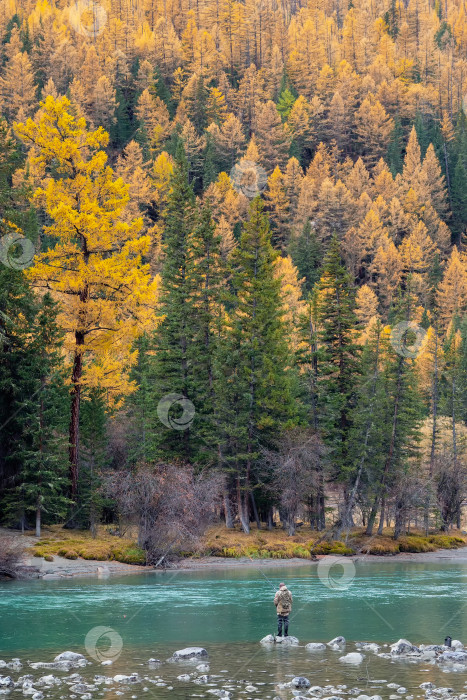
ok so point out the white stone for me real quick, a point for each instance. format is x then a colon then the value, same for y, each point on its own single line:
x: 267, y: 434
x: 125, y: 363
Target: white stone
x: 300, y: 682
x: 353, y: 658
x: 69, y: 656
x: 368, y: 646
x: 190, y: 653
x: 270, y: 639
x: 337, y: 643
x: 402, y: 647
x: 315, y: 646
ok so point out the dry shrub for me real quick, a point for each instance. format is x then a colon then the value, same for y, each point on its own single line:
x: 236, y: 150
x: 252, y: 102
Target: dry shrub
x: 171, y: 505
x: 10, y: 557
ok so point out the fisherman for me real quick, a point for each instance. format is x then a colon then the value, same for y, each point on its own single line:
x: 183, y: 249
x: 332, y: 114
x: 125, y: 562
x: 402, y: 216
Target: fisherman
x: 283, y: 603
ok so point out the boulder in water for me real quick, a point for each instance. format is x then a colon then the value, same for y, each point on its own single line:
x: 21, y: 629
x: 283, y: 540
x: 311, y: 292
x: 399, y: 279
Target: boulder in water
x: 189, y: 653
x: 368, y: 646
x: 6, y: 682
x: 337, y: 643
x: 456, y: 645
x: 315, y: 646
x: 404, y: 647
x: 271, y: 639
x: 458, y: 657
x: 353, y: 658
x: 300, y: 682
x: 69, y: 656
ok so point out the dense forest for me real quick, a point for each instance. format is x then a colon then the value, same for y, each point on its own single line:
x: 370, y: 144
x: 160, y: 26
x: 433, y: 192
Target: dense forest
x: 233, y: 274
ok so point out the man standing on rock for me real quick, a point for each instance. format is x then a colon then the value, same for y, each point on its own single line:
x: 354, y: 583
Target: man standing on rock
x: 283, y: 603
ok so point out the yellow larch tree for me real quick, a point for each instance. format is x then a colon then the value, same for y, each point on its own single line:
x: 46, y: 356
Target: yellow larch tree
x: 94, y: 269
x: 278, y: 207
x: 373, y: 126
x: 293, y: 304
x: 366, y: 305
x: 272, y: 138
x: 17, y: 88
x: 387, y: 269
x: 452, y: 290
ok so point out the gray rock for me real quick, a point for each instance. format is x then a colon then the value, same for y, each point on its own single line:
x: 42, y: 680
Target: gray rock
x: 368, y: 646
x: 270, y: 639
x: 459, y: 657
x: 427, y: 686
x: 300, y: 682
x: 457, y: 645
x: 184, y: 677
x: 353, y: 658
x: 121, y: 678
x: 82, y: 688
x: 337, y: 643
x: 203, y: 668
x: 189, y: 653
x: 201, y: 679
x: 6, y: 682
x: 315, y: 646
x: 69, y: 656
x: 404, y: 647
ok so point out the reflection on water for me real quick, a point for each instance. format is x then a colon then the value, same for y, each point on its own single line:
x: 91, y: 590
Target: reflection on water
x: 228, y: 612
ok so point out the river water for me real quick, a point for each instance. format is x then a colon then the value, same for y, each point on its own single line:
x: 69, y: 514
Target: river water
x: 151, y: 615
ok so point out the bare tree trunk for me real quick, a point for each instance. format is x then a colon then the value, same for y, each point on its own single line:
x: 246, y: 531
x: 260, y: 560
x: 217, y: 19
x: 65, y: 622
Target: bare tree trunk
x: 372, y: 516
x: 270, y: 519
x: 255, y: 510
x: 242, y: 509
x: 381, y: 517
x: 75, y: 412
x: 433, y: 437
x: 38, y: 521
x: 229, y: 520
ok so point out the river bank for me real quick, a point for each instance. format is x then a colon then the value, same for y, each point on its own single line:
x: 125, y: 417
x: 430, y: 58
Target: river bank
x: 66, y: 555
x: 64, y: 568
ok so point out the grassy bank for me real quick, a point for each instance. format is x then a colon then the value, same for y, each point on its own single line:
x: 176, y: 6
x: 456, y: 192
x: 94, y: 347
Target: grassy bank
x: 275, y: 544
x: 220, y: 542
x: 74, y: 544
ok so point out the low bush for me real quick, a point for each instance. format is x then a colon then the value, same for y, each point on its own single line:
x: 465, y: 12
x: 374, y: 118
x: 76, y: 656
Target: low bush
x: 128, y: 555
x: 412, y: 543
x: 71, y: 554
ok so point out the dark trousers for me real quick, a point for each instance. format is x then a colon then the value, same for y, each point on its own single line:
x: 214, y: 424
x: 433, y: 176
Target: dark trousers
x: 282, y: 619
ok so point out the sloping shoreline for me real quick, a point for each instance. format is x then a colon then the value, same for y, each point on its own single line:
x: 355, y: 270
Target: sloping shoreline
x: 64, y: 568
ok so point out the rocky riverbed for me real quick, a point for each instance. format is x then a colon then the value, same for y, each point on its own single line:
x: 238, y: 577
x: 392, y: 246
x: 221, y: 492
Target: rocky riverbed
x: 371, y: 671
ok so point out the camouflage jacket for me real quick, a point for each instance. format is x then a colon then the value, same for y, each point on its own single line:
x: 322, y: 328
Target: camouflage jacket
x: 283, y: 601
